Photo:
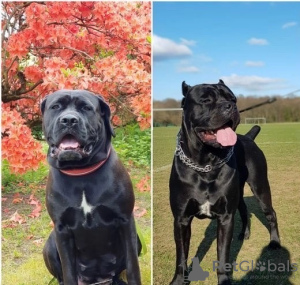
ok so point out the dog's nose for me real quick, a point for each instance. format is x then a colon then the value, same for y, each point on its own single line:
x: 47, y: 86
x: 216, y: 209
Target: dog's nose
x: 69, y: 120
x: 228, y: 106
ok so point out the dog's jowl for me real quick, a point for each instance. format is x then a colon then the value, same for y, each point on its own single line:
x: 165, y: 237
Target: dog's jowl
x: 89, y: 194
x: 209, y: 171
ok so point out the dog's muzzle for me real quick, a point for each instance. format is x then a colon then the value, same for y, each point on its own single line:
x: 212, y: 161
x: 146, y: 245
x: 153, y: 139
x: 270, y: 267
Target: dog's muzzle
x: 70, y: 146
x: 69, y: 149
x: 223, y: 135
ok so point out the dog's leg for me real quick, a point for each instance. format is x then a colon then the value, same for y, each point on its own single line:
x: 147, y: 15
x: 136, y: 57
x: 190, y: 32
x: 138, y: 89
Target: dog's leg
x: 51, y: 258
x: 259, y: 184
x: 245, y: 233
x: 224, y: 237
x: 263, y: 195
x: 130, y: 240
x: 182, y: 236
x: 266, y: 206
x: 66, y: 248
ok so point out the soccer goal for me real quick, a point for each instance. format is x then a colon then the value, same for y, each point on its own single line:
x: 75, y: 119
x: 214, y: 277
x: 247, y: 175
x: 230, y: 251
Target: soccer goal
x: 258, y: 121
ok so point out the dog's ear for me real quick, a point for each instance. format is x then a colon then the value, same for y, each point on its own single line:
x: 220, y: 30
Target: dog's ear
x: 105, y: 114
x: 182, y: 102
x: 43, y: 105
x: 221, y: 82
x: 185, y: 88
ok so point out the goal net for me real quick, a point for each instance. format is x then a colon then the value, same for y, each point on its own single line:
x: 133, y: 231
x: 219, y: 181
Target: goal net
x: 258, y: 121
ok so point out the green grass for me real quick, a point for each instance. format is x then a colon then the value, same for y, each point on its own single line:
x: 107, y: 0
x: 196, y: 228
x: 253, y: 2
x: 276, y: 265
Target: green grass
x: 281, y: 145
x: 22, y: 261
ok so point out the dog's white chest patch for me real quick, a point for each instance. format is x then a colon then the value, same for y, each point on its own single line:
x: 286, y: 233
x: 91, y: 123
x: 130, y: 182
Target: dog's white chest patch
x: 85, y: 206
x: 205, y: 209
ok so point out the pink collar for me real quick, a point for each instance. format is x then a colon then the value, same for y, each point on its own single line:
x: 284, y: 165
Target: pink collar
x: 85, y: 170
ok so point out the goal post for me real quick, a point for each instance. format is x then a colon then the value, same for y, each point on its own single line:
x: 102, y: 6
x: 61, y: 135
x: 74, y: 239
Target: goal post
x: 259, y: 121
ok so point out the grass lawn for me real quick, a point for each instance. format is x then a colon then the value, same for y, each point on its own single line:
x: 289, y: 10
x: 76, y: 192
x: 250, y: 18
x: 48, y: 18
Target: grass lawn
x: 281, y: 145
x: 23, y: 241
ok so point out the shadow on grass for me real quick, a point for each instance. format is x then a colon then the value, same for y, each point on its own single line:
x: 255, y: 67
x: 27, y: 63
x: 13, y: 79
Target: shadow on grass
x: 273, y: 266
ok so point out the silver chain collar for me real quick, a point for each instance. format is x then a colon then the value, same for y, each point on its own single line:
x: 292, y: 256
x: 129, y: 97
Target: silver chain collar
x: 207, y: 168
x: 103, y: 282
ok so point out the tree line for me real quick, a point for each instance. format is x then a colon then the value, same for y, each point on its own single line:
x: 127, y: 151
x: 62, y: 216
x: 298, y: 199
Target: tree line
x: 282, y: 110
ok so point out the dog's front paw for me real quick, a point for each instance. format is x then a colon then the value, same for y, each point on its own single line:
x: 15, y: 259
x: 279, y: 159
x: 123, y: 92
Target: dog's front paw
x: 223, y: 279
x: 179, y: 280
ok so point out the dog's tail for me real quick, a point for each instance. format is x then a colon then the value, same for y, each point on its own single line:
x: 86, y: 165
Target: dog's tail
x: 253, y: 132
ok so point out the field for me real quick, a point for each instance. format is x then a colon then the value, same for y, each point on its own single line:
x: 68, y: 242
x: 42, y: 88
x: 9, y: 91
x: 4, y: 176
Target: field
x: 281, y: 145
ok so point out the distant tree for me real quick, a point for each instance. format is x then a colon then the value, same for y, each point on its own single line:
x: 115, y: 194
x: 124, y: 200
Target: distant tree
x: 167, y: 118
x: 283, y: 110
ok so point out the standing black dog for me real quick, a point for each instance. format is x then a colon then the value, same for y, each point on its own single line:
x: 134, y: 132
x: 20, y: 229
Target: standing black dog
x: 89, y: 194
x: 210, y: 168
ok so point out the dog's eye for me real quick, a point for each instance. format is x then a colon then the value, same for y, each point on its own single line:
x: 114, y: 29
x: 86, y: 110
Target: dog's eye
x: 206, y: 101
x: 87, y: 108
x: 55, y: 107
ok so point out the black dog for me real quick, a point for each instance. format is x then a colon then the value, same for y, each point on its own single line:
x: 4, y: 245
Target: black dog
x: 210, y: 168
x: 89, y: 194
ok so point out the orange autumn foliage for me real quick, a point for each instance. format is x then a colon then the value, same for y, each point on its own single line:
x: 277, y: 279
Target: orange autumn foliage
x: 22, y: 152
x: 144, y: 184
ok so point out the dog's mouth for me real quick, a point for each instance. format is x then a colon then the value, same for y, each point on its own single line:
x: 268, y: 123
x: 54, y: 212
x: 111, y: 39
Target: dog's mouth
x: 69, y: 142
x: 70, y: 148
x: 224, y: 136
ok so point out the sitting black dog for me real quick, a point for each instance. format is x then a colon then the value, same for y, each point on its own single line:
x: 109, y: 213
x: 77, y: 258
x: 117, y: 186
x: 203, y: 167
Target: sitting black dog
x: 210, y: 168
x: 89, y: 194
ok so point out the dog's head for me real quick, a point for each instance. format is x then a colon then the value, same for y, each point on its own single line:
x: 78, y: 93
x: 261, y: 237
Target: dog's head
x: 210, y: 113
x: 76, y: 125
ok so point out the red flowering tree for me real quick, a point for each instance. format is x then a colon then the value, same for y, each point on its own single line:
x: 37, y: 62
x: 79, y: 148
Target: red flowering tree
x: 104, y: 47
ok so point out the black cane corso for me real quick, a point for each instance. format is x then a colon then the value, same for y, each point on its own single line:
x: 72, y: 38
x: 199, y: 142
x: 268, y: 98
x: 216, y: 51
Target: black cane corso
x: 210, y: 168
x: 89, y: 194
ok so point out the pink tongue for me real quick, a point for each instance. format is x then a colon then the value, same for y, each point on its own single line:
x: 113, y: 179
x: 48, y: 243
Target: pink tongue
x: 226, y: 137
x: 69, y: 142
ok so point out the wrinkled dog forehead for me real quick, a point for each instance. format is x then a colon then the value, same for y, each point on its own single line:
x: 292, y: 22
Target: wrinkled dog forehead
x: 214, y: 91
x: 70, y: 96
x: 202, y: 93
x: 76, y: 97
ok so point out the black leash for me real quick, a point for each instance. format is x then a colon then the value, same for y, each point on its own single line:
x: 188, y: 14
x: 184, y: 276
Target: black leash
x: 269, y: 101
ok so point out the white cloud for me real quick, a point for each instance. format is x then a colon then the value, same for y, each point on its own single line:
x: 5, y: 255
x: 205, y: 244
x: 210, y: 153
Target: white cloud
x: 188, y: 69
x: 254, y: 63
x: 164, y: 48
x: 252, y: 82
x: 258, y: 42
x: 185, y: 66
x: 187, y: 42
x: 289, y: 25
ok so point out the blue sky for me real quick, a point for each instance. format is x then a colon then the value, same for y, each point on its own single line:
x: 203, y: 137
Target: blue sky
x: 253, y: 46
